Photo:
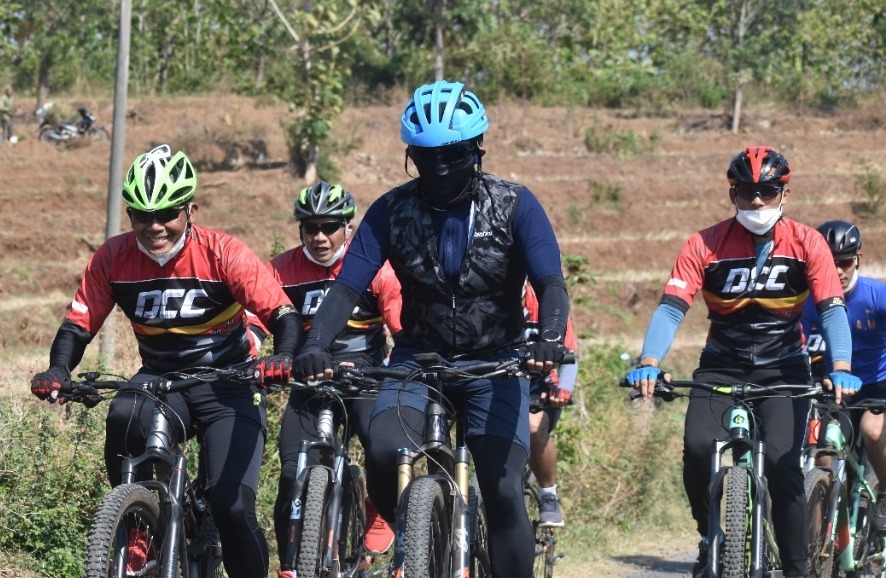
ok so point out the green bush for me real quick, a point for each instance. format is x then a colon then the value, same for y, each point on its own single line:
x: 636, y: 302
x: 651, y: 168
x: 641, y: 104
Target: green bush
x: 619, y: 463
x: 51, y: 481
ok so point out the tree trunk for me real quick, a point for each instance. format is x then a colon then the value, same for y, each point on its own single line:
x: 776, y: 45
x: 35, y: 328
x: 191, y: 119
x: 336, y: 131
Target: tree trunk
x: 438, y: 39
x: 736, y: 107
x: 43, y: 80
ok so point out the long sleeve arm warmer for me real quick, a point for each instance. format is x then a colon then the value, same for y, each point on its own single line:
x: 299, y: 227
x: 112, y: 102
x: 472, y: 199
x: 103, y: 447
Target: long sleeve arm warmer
x: 287, y: 329
x: 553, y: 303
x: 661, y: 331
x: 332, y: 316
x: 835, y: 329
x: 68, y: 346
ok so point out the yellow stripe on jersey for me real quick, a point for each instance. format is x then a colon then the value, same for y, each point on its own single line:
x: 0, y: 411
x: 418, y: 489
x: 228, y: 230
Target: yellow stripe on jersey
x: 365, y: 324
x: 216, y: 321
x: 719, y: 305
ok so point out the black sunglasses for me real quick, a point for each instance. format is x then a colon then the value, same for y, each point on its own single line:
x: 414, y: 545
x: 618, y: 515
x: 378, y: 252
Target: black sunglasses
x: 448, y: 154
x: 846, y: 262
x: 327, y: 228
x: 748, y: 191
x: 162, y: 216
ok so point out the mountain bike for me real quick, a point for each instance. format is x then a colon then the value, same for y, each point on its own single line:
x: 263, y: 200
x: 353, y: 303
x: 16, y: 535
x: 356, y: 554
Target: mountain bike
x: 840, y: 498
x: 328, y: 515
x: 741, y: 537
x: 167, y: 516
x: 545, y: 537
x: 441, y: 522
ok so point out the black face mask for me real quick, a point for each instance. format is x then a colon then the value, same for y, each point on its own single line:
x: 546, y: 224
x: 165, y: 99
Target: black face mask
x: 445, y: 173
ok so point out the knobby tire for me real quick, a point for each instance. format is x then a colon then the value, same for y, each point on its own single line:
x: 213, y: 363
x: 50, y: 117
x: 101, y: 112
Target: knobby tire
x: 313, y: 530
x: 426, y: 529
x: 864, y: 540
x: 127, y: 507
x: 817, y: 484
x: 481, y: 565
x: 737, y: 525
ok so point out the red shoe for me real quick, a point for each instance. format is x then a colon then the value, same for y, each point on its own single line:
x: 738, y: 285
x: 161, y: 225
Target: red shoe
x: 285, y: 573
x: 378, y: 537
x: 141, y: 558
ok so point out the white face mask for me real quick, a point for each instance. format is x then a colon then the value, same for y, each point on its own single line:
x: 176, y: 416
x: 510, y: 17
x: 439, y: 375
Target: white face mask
x: 759, y: 222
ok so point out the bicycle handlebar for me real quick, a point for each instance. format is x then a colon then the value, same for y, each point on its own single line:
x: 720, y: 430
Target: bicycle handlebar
x: 746, y: 391
x: 88, y: 390
x: 432, y: 366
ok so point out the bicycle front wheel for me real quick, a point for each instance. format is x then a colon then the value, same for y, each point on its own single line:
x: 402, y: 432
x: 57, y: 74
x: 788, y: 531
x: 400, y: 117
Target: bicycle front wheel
x: 737, y: 525
x: 126, y: 537
x: 818, y: 485
x: 314, y: 528
x: 426, y: 529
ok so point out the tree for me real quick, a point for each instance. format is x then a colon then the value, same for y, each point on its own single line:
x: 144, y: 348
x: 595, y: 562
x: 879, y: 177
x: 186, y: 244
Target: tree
x: 49, y: 37
x: 316, y: 89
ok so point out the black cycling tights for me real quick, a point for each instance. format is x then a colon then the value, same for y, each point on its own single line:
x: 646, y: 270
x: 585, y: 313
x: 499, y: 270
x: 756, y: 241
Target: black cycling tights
x: 233, y: 510
x: 499, y: 466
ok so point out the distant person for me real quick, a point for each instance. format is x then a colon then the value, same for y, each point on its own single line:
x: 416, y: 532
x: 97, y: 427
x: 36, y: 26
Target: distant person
x: 866, y: 309
x: 324, y: 212
x: 555, y: 390
x: 754, y: 270
x: 184, y: 289
x: 7, y: 111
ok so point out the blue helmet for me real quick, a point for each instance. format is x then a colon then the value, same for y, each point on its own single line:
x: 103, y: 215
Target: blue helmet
x: 441, y: 114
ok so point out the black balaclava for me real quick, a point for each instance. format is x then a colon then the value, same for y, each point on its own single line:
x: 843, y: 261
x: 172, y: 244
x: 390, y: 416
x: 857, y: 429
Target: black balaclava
x: 445, y: 184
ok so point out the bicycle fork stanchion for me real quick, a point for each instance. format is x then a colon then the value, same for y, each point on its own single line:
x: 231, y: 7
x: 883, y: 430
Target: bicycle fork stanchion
x: 461, y: 552
x: 750, y: 455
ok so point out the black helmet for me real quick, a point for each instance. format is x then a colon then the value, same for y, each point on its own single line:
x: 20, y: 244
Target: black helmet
x: 324, y: 200
x: 843, y: 238
x: 758, y: 165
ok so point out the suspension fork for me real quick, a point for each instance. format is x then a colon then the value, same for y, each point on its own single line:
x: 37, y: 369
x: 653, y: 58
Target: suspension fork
x: 174, y: 529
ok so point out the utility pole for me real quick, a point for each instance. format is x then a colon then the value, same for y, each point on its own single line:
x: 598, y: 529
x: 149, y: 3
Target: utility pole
x: 115, y: 173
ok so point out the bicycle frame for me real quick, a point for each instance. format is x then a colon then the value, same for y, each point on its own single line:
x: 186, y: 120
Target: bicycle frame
x: 843, y: 506
x: 161, y: 451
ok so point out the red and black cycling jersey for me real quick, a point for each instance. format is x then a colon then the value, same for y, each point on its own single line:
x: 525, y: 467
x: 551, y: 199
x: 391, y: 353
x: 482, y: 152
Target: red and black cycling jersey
x: 306, y: 283
x: 188, y: 312
x: 754, y: 308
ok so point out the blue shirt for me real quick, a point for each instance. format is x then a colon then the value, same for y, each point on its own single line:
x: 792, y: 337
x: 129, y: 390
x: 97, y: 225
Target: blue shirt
x: 866, y: 310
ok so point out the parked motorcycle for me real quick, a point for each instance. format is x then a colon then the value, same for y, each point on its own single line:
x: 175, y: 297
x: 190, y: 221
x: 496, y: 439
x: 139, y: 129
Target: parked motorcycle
x: 70, y: 129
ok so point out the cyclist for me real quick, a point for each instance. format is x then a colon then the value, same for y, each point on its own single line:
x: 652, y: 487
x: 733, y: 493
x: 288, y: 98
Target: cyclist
x: 324, y: 212
x: 461, y: 242
x: 754, y: 270
x: 556, y: 388
x: 184, y: 288
x: 866, y: 309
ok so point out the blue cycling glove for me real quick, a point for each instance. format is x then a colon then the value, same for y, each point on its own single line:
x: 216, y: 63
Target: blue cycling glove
x: 645, y: 372
x: 845, y: 380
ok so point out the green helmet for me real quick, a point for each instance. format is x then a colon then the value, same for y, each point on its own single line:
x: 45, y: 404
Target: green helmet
x: 159, y: 180
x: 323, y: 199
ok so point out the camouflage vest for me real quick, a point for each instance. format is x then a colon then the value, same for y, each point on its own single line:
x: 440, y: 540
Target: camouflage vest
x: 485, y: 312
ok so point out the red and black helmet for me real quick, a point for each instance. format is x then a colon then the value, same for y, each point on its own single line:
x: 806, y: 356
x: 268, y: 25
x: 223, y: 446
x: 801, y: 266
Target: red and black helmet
x: 758, y: 165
